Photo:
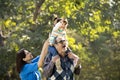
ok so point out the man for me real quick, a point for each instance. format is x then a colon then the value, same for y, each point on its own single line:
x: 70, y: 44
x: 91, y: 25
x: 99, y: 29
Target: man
x: 60, y: 67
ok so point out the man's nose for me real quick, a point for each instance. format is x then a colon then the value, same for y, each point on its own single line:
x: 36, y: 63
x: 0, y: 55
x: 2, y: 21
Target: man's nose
x: 64, y: 43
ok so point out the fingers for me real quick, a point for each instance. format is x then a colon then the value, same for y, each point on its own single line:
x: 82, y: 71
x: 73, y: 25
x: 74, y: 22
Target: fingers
x: 54, y: 58
x: 77, y: 63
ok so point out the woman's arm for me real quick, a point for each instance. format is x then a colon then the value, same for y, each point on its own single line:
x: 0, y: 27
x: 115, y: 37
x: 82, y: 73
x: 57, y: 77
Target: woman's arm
x: 43, y: 53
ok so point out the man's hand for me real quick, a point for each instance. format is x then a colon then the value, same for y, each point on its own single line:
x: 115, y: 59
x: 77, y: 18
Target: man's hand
x: 58, y: 65
x: 54, y: 58
x: 77, y: 62
x: 75, y: 58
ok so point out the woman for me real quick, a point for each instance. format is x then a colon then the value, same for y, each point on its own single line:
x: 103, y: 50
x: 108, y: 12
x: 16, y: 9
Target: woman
x: 27, y: 67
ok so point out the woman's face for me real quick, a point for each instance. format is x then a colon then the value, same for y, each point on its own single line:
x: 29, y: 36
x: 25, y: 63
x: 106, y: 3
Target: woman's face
x: 28, y: 56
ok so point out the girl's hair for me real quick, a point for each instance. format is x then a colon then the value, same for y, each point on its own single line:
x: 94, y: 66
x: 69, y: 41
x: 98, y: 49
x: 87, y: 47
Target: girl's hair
x: 65, y: 21
x: 19, y: 60
x: 56, y: 20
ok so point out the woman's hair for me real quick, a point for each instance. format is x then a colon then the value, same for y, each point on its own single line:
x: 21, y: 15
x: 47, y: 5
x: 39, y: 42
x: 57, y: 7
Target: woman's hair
x: 19, y: 59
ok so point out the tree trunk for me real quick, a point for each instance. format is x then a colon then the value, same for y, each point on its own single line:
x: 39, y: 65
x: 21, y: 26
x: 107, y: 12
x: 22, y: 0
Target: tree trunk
x: 2, y: 38
x: 37, y: 9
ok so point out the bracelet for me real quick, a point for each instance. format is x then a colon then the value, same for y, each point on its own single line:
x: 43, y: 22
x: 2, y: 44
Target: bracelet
x: 40, y: 69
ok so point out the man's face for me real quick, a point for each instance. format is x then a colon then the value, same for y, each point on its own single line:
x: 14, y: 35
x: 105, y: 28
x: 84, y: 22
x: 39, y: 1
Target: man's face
x: 62, y: 45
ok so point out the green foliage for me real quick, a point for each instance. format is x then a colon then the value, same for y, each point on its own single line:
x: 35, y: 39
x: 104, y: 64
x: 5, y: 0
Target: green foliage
x: 93, y: 34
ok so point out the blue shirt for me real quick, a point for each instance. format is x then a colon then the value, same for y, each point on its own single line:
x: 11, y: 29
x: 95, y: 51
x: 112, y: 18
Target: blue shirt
x: 52, y: 50
x: 30, y: 71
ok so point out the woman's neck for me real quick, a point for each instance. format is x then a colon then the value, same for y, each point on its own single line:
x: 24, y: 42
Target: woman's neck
x: 28, y: 61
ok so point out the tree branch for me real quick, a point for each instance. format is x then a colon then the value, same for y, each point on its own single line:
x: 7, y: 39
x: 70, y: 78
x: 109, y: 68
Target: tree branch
x: 37, y: 9
x: 2, y: 38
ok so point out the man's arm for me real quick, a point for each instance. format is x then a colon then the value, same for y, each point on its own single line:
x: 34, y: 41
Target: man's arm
x: 49, y: 64
x: 77, y: 69
x: 74, y: 57
x: 76, y: 61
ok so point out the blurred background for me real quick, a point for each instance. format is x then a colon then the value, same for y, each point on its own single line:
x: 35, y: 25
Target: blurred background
x: 93, y: 33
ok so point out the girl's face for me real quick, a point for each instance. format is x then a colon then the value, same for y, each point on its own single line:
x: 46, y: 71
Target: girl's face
x: 63, y: 24
x: 28, y: 56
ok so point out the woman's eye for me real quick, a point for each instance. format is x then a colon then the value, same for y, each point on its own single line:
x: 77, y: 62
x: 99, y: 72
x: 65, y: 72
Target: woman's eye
x: 27, y: 52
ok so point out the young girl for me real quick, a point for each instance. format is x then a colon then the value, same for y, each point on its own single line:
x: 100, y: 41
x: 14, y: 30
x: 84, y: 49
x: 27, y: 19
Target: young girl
x: 58, y: 30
